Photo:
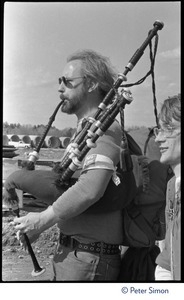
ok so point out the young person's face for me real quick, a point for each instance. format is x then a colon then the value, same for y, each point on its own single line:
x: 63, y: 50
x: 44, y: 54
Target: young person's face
x: 169, y: 140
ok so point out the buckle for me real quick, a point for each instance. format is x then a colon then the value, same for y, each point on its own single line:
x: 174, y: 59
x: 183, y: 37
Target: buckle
x: 64, y: 239
x: 67, y: 241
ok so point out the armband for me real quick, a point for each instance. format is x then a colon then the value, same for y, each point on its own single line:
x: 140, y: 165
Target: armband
x: 98, y: 161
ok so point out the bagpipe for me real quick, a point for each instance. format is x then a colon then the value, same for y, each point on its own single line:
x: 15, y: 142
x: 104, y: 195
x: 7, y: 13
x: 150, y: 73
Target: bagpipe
x: 49, y: 185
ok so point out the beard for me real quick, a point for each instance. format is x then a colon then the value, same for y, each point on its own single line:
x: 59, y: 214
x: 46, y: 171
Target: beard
x: 71, y: 106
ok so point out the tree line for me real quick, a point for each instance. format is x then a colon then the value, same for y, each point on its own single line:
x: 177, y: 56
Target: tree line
x: 16, y: 128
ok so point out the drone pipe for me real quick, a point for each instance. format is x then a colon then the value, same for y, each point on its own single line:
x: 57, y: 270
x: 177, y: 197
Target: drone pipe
x: 121, y: 77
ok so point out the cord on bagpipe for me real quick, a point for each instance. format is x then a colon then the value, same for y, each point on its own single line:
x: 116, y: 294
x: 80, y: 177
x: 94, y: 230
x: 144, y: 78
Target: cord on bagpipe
x: 125, y: 157
x: 152, y: 58
x: 113, y: 103
x: 150, y: 72
x: 143, y: 161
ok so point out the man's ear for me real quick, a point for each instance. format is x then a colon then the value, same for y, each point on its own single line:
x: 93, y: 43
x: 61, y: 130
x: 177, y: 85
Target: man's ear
x: 92, y: 86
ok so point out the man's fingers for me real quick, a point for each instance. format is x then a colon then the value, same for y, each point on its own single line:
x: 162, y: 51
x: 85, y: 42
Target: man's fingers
x: 21, y: 239
x: 18, y: 220
x: 19, y: 223
x: 19, y: 227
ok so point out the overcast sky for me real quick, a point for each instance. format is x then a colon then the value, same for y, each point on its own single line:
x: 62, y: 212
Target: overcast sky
x: 39, y: 36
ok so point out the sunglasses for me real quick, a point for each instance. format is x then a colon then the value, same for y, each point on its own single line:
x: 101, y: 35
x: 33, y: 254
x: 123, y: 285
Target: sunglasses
x: 67, y: 81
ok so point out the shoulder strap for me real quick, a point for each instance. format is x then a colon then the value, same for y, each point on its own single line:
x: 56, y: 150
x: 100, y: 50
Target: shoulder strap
x: 144, y: 227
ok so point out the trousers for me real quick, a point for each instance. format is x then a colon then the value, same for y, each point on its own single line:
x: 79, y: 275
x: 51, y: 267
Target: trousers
x: 76, y: 265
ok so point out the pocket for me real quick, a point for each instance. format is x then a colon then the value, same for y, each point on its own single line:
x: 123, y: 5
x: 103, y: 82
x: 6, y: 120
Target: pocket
x: 86, y: 257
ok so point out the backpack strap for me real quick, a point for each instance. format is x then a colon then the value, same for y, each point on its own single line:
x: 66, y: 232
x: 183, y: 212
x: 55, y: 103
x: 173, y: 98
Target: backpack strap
x: 150, y: 134
x: 143, y: 162
x: 133, y: 217
x: 141, y: 171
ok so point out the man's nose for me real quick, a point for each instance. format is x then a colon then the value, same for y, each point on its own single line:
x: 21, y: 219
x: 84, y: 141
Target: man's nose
x: 61, y: 87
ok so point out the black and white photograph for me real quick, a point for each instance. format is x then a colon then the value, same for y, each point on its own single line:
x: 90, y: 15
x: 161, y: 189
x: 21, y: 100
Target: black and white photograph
x: 91, y: 164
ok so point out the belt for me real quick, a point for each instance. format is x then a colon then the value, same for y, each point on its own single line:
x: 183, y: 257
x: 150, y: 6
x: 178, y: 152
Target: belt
x: 96, y: 247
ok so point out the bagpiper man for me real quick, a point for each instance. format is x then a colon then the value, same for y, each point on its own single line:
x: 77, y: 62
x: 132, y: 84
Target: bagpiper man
x: 88, y: 246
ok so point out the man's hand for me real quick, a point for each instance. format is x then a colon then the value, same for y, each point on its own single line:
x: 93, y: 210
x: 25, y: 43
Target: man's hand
x: 33, y: 224
x: 30, y: 223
